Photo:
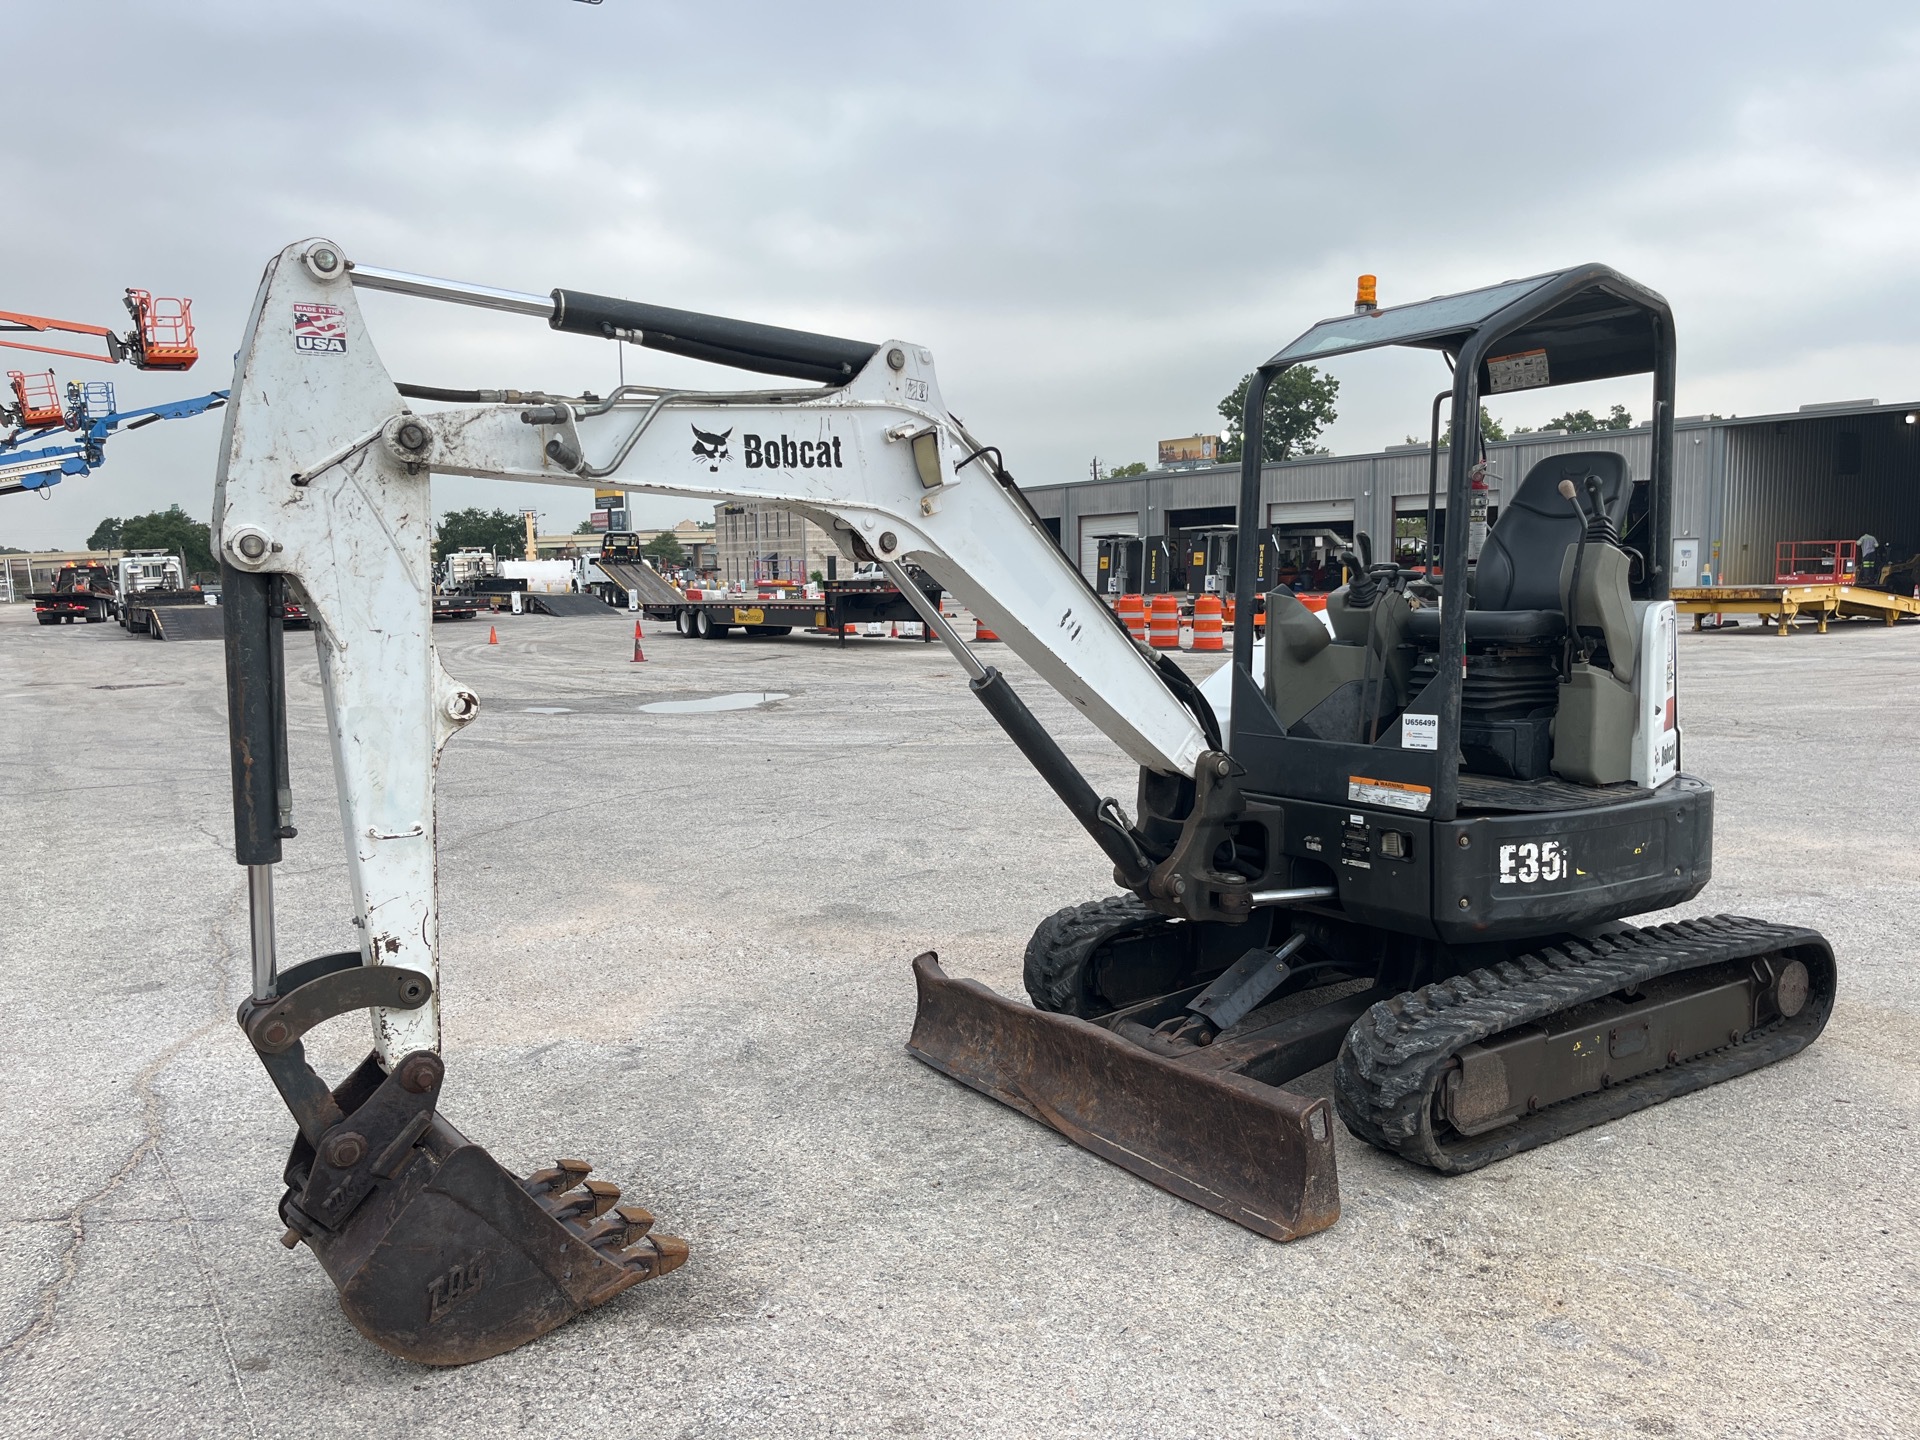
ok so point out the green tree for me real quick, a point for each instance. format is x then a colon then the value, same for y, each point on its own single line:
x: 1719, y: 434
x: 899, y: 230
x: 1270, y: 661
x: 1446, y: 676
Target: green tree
x: 495, y: 531
x: 665, y: 548
x: 1584, y: 422
x: 174, y: 530
x: 106, y: 535
x: 585, y: 527
x: 1490, y: 429
x: 1124, y: 472
x: 1299, y: 406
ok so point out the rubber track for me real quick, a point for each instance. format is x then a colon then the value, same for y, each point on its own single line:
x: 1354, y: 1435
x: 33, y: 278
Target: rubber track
x: 1057, y: 954
x: 1397, y: 1053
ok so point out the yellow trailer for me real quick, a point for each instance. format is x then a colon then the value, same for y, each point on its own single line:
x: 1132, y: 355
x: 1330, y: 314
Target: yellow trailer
x: 1782, y: 605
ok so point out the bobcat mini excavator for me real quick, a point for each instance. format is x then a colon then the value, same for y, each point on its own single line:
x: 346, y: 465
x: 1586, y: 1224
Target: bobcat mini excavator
x: 1406, y: 846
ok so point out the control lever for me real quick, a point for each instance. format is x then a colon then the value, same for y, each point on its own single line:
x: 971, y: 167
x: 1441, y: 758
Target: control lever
x: 1600, y: 525
x: 1571, y: 493
x: 1362, y: 589
x: 1234, y: 995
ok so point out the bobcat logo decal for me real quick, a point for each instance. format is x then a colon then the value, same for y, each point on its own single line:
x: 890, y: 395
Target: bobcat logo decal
x: 711, y: 447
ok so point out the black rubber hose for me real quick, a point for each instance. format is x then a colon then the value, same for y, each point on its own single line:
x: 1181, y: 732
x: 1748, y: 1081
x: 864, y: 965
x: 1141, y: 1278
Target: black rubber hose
x: 435, y: 392
x: 1043, y: 752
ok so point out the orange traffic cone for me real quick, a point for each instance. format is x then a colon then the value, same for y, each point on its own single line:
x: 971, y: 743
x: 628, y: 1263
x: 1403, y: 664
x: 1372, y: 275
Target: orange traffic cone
x: 638, y: 653
x: 493, y: 636
x: 981, y: 632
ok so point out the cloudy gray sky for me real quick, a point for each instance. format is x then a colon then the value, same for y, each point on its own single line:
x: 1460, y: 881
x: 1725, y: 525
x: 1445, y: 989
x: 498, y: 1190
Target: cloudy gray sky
x: 1098, y: 216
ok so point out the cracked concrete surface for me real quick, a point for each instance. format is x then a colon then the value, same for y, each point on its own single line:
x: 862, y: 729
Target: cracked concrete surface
x: 677, y: 945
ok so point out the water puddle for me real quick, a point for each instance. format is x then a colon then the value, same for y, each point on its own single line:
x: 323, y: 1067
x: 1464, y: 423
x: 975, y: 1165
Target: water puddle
x: 738, y: 700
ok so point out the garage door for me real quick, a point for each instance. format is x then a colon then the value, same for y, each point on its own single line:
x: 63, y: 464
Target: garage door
x: 1311, y: 512
x: 1092, y: 528
x: 1417, y: 504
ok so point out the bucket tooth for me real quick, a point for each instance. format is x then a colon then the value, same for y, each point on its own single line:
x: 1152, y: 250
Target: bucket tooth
x: 622, y: 1228
x: 592, y: 1200
x: 561, y: 1177
x: 656, y: 1255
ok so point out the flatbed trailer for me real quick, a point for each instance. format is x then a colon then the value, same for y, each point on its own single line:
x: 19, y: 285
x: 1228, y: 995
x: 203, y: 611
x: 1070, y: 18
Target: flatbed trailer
x: 632, y: 576
x: 136, y: 611
x: 839, y: 604
x: 186, y: 622
x: 1782, y: 605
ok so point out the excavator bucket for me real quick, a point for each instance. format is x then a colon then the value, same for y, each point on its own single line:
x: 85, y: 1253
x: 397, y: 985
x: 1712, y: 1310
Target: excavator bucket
x: 439, y: 1254
x: 1259, y: 1155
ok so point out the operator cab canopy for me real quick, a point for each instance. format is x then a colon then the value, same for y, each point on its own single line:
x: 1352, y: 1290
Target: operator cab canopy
x: 1584, y: 323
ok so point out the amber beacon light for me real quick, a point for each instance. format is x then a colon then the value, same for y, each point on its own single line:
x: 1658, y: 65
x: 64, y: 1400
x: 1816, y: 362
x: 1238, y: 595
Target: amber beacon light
x: 1366, y: 298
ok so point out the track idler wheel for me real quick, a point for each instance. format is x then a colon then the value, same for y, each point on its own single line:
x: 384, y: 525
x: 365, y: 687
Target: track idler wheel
x: 439, y: 1254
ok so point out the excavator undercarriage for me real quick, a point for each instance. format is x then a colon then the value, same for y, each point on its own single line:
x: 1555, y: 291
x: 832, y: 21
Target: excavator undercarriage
x: 1405, y: 841
x: 1451, y: 1073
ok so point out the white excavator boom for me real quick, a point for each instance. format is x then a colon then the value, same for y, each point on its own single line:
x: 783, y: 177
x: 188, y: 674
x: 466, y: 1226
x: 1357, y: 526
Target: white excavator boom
x: 325, y: 474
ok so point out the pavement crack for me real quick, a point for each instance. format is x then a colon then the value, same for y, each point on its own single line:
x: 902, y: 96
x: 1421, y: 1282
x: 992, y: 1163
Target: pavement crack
x: 75, y: 1219
x: 16, y: 1346
x: 213, y: 1289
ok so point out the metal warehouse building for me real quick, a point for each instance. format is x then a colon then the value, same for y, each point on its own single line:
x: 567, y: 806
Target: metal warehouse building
x: 1742, y: 486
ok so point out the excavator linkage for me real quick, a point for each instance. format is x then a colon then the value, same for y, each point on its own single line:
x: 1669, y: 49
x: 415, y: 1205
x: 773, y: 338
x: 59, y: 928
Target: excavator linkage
x: 1256, y: 1154
x: 439, y: 1255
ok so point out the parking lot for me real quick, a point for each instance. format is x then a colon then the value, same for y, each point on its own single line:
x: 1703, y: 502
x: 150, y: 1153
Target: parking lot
x: 677, y: 945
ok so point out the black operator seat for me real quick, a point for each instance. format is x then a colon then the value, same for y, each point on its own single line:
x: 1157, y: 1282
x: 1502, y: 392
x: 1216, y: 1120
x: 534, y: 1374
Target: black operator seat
x: 1516, y: 593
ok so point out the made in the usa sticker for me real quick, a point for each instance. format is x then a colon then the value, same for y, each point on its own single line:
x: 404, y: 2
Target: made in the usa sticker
x: 319, y: 329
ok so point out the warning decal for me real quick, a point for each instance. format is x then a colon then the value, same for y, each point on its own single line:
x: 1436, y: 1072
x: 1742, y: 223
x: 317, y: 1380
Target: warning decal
x: 1524, y: 371
x: 1393, y: 794
x: 320, y: 328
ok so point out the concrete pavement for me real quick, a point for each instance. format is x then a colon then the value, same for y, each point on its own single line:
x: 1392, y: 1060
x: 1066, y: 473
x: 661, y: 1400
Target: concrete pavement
x: 677, y: 945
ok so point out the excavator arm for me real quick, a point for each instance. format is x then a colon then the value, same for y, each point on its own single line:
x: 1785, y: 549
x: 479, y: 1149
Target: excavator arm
x: 324, y: 479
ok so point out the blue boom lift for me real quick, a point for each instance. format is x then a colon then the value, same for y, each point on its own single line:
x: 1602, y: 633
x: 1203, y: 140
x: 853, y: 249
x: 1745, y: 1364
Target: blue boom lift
x: 88, y: 414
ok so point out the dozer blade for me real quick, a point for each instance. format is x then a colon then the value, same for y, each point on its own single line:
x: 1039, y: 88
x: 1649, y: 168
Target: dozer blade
x: 1256, y: 1154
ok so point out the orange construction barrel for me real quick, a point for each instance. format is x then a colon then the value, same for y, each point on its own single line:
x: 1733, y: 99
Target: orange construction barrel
x: 1132, y: 610
x: 1163, y: 623
x: 1208, y: 632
